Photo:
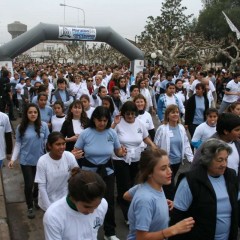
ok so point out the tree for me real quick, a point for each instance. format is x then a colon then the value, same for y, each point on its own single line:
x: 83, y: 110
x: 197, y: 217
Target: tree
x: 168, y: 32
x: 213, y: 26
x: 212, y: 23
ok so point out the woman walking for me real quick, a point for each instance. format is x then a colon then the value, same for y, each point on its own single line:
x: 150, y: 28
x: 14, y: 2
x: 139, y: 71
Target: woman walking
x: 31, y: 136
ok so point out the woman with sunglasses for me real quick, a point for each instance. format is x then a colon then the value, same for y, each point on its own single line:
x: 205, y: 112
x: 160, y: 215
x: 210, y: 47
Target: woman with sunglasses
x: 131, y: 133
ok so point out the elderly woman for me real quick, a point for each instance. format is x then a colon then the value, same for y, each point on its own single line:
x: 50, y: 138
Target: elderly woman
x: 209, y: 194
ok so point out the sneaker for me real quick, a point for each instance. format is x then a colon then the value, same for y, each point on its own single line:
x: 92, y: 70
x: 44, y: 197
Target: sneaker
x: 30, y: 213
x: 114, y: 237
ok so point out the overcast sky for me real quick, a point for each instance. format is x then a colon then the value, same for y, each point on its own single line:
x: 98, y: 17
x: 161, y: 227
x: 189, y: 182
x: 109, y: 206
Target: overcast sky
x: 127, y: 17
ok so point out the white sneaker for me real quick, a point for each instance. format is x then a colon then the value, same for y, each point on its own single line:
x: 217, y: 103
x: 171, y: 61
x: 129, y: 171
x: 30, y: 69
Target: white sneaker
x: 114, y: 237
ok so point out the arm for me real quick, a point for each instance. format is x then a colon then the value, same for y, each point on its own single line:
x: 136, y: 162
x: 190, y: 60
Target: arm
x: 149, y: 142
x: 159, y: 109
x: 15, y: 154
x: 67, y: 103
x: 43, y: 191
x: 183, y: 226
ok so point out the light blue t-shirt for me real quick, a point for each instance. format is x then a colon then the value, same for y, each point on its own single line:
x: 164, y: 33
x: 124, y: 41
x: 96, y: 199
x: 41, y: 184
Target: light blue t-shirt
x: 32, y: 146
x: 98, y: 146
x: 199, y: 110
x: 175, y: 154
x: 46, y: 114
x: 183, y: 199
x: 148, y: 211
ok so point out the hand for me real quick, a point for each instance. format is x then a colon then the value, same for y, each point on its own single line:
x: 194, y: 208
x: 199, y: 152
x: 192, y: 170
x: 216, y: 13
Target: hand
x: 10, y: 164
x: 170, y: 204
x: 8, y: 156
x: 124, y: 151
x: 78, y: 153
x: 153, y: 112
x: 117, y: 119
x: 183, y: 226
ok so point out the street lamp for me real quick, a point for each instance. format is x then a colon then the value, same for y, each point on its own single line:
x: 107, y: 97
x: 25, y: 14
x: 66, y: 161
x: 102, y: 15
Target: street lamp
x: 78, y: 8
x: 153, y: 56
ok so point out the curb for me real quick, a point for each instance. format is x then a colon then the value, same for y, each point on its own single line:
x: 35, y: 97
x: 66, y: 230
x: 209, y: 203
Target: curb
x: 4, y: 228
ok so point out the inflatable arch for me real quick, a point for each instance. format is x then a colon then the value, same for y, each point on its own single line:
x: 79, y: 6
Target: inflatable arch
x: 45, y: 31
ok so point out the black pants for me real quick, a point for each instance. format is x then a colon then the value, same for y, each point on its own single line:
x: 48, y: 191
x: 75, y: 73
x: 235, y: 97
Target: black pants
x: 109, y: 221
x: 4, y: 102
x: 169, y: 190
x: 125, y: 179
x: 30, y: 188
x: 192, y: 128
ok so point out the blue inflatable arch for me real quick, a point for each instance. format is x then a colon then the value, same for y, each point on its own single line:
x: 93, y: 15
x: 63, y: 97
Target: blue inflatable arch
x: 45, y: 31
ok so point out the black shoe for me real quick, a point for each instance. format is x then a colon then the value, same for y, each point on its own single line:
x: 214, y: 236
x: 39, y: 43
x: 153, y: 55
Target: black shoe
x: 30, y: 213
x: 35, y: 203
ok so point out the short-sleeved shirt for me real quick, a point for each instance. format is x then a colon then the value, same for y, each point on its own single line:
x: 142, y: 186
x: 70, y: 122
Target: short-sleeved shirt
x: 131, y: 136
x: 32, y: 146
x: 98, y: 146
x: 148, y: 211
x: 5, y: 127
x: 199, y: 111
x: 183, y: 200
x: 46, y: 114
x: 55, y: 174
x: 62, y: 222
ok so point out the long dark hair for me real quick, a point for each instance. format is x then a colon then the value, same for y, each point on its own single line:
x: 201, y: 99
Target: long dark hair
x: 109, y: 99
x: 25, y: 121
x: 83, y: 119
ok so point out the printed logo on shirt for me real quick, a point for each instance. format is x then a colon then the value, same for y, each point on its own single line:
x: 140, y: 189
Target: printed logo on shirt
x: 139, y: 130
x: 110, y: 138
x: 97, y: 223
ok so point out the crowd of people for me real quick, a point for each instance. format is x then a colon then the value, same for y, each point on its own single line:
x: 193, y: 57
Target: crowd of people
x: 83, y: 128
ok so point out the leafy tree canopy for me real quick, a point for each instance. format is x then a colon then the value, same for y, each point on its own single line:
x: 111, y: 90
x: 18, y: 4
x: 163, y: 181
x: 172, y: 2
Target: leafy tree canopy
x: 211, y: 22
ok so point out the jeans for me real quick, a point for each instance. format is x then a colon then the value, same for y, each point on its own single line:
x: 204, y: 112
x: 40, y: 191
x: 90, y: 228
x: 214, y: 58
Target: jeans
x: 30, y: 188
x: 125, y: 179
x: 223, y: 106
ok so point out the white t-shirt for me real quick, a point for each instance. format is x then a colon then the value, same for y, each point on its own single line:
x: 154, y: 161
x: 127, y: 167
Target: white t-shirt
x: 5, y: 127
x: 195, y: 82
x: 55, y: 174
x: 19, y: 88
x: 233, y: 87
x: 203, y: 132
x: 233, y: 158
x: 170, y: 100
x: 62, y: 222
x: 77, y: 128
x: 131, y: 136
x: 57, y: 123
x: 90, y: 111
x: 146, y: 119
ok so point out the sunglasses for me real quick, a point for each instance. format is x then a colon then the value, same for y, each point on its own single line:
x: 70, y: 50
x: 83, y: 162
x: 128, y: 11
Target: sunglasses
x: 89, y: 80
